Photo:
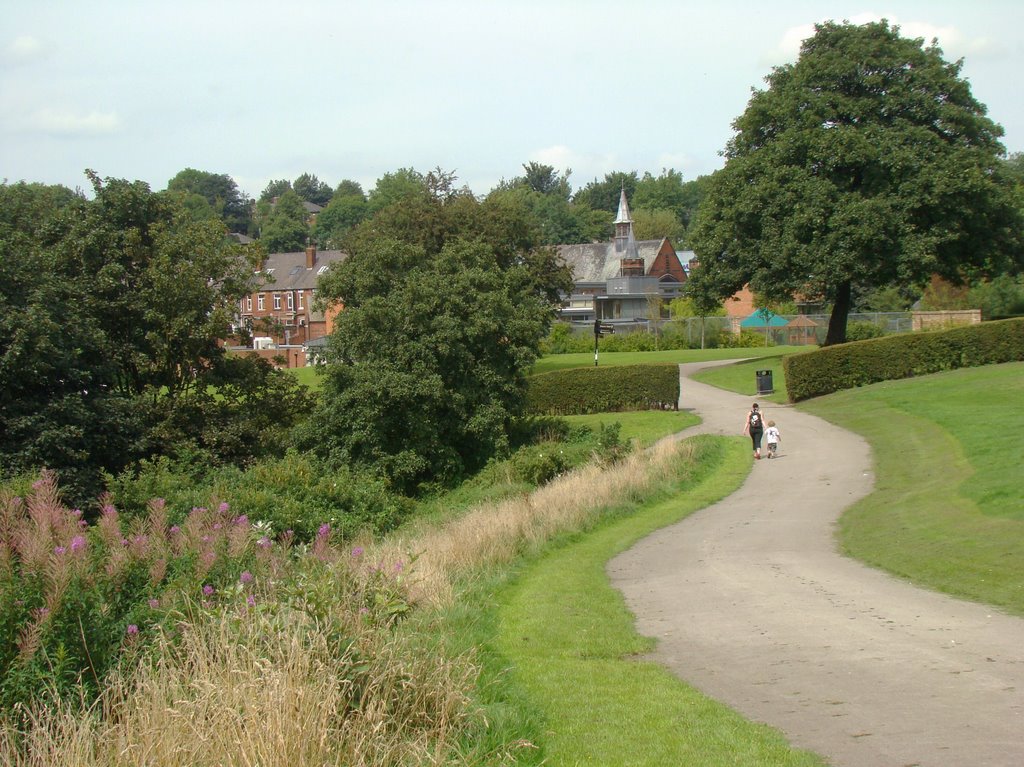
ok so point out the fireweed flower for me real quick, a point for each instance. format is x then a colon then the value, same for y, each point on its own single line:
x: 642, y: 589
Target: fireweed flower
x: 78, y: 543
x: 207, y: 590
x: 242, y: 520
x: 58, y: 550
x: 154, y: 603
x: 357, y: 551
x: 132, y: 630
x: 245, y: 577
x: 250, y: 600
x: 263, y: 543
x: 325, y: 530
x: 224, y: 507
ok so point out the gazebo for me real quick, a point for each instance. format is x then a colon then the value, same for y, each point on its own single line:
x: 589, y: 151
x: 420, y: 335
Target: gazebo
x: 802, y: 331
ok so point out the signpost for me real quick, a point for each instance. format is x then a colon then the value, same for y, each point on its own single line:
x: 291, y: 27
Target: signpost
x: 601, y: 329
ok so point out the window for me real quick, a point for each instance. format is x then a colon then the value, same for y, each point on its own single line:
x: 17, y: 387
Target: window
x: 259, y: 302
x: 291, y: 300
x: 248, y: 303
x: 300, y: 298
x: 277, y: 301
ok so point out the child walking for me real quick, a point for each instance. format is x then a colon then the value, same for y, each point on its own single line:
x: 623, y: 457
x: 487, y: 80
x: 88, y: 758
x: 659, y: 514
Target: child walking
x: 772, y: 437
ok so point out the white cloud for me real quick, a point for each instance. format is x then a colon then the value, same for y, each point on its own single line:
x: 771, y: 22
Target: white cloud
x: 583, y: 165
x: 953, y: 42
x: 66, y: 123
x: 24, y: 48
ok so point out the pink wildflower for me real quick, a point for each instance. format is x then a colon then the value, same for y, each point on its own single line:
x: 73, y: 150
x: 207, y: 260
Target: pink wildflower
x: 154, y: 603
x: 324, y: 531
x: 245, y: 577
x: 224, y: 507
x: 132, y: 630
x: 58, y: 550
x: 250, y: 600
x: 264, y: 542
x: 78, y: 543
x: 207, y: 590
x: 357, y: 551
x: 242, y: 520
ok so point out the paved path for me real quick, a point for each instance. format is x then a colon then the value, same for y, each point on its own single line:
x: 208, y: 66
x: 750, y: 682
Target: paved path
x: 751, y: 603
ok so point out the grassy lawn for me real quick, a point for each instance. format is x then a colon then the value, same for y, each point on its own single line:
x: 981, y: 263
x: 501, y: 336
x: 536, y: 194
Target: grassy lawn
x: 742, y: 376
x: 947, y: 510
x: 646, y: 426
x: 586, y: 359
x: 571, y: 644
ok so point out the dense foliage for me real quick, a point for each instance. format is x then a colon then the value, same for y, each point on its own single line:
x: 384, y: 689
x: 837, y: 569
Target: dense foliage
x: 446, y: 301
x: 868, y: 163
x: 113, y: 311
x: 605, y: 389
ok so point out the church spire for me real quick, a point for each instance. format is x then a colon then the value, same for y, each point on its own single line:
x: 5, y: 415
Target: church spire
x: 625, y: 244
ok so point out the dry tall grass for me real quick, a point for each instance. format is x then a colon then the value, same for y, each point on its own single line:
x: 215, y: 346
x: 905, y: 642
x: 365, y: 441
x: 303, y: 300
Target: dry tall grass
x: 498, y: 533
x: 277, y: 687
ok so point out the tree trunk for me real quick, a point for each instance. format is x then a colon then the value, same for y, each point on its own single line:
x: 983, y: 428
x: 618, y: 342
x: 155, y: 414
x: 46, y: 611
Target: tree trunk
x: 840, y: 311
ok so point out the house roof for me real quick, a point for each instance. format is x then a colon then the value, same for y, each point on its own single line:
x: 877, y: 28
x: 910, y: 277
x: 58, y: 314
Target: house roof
x: 802, y: 321
x: 600, y: 261
x: 287, y: 271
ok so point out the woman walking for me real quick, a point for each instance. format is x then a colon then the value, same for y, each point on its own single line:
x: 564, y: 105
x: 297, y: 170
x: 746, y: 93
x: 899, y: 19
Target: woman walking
x: 755, y: 428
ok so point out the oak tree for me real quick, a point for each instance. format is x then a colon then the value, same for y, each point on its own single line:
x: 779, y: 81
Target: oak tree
x: 865, y: 164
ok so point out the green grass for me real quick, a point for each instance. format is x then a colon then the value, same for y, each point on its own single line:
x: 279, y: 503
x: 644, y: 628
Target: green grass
x: 586, y: 359
x: 307, y: 376
x: 947, y: 511
x: 571, y: 644
x: 645, y: 426
x: 742, y: 376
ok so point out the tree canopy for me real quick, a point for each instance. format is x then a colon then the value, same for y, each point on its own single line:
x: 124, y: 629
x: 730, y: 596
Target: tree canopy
x: 446, y: 303
x: 867, y: 163
x: 221, y: 194
x: 112, y: 314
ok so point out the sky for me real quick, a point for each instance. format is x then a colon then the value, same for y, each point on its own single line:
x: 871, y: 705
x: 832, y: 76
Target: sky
x: 354, y: 89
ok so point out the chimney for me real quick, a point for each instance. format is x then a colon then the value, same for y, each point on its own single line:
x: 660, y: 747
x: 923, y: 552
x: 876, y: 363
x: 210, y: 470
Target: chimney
x: 310, y: 255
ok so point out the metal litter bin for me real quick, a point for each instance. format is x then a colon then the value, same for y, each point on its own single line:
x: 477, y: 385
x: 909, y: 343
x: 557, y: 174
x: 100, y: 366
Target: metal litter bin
x: 764, y: 382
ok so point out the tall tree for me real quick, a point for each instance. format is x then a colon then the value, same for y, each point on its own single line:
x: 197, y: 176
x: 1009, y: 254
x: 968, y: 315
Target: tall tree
x: 604, y: 195
x: 401, y: 185
x: 220, y: 192
x: 275, y: 188
x: 865, y: 164
x: 311, y: 189
x: 445, y: 304
x: 285, y: 228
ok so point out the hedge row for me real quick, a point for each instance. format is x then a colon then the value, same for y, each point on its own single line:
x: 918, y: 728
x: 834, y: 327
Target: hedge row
x: 846, y: 366
x: 603, y: 390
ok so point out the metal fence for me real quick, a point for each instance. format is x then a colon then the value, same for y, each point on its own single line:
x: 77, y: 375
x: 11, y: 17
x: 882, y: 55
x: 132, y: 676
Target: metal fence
x: 691, y: 327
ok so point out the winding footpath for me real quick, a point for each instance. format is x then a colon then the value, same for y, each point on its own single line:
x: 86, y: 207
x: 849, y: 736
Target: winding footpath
x: 751, y: 602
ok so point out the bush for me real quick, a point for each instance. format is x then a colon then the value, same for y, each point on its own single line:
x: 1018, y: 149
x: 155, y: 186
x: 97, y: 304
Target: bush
x: 297, y: 492
x: 859, y: 363
x: 862, y: 331
x: 602, y: 390
x: 540, y: 464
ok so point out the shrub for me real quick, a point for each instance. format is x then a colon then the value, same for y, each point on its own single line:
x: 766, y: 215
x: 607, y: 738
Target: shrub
x: 859, y: 363
x: 861, y: 331
x: 540, y: 464
x: 297, y: 492
x: 607, y: 389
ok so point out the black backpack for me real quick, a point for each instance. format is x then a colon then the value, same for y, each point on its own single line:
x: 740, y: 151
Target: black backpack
x: 755, y: 419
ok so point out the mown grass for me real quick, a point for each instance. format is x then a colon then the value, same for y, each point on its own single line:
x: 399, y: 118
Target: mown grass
x: 946, y: 512
x: 645, y: 427
x: 586, y: 359
x: 741, y: 377
x: 572, y: 648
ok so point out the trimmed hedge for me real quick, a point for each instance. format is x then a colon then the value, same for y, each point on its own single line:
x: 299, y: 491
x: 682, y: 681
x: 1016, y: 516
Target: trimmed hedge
x: 602, y: 390
x: 859, y: 363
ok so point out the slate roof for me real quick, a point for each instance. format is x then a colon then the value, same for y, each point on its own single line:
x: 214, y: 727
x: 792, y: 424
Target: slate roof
x: 599, y: 261
x: 289, y: 271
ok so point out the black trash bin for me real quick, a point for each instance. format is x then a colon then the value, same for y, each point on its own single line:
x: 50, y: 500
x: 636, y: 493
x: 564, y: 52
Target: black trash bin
x: 764, y: 382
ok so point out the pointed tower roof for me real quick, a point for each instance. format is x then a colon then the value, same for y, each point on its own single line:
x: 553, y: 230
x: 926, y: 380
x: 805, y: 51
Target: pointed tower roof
x: 625, y: 243
x: 623, y: 216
